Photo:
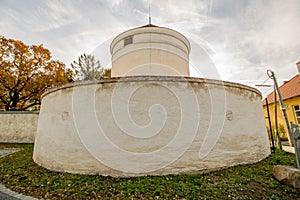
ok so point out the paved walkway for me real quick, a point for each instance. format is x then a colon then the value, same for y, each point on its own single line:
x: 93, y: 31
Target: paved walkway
x: 5, y: 193
x: 7, y: 151
x: 5, y: 196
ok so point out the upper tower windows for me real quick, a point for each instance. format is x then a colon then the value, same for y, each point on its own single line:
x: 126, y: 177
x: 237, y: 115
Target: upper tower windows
x: 128, y: 40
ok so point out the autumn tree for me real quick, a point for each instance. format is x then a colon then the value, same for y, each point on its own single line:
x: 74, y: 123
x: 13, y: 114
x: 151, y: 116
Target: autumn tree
x: 25, y: 73
x: 107, y: 73
x: 87, y: 68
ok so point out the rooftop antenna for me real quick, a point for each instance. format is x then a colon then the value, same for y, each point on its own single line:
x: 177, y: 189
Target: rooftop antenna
x: 149, y: 11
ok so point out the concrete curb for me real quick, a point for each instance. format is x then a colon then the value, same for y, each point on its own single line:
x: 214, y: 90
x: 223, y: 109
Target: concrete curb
x: 11, y: 193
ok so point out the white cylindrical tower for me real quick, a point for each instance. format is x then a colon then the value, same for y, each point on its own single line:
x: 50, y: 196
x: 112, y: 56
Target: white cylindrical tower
x: 150, y: 51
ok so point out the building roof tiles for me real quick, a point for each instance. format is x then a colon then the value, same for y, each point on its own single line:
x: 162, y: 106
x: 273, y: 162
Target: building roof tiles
x: 288, y: 90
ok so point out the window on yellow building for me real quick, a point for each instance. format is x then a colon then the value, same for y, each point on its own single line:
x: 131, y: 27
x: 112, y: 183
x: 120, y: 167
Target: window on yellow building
x: 297, y: 113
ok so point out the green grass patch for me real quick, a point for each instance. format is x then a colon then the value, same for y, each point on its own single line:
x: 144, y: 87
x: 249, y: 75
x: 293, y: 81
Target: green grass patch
x: 254, y: 181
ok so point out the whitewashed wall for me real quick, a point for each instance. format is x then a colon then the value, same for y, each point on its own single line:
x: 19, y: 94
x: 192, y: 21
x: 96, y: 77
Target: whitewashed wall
x: 153, y: 51
x: 18, y: 126
x: 150, y: 126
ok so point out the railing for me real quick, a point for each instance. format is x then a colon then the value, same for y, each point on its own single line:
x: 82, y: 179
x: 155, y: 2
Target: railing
x: 296, y: 138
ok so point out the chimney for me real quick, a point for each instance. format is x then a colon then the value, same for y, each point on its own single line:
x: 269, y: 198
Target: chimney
x: 298, y: 66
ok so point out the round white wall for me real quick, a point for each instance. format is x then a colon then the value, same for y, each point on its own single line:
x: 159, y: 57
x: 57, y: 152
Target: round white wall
x: 135, y: 126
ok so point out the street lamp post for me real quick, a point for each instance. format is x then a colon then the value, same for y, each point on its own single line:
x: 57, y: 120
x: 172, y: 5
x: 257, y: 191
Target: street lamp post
x: 271, y: 74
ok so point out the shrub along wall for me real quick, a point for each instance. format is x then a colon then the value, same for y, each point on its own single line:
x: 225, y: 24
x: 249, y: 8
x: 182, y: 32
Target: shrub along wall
x: 18, y: 126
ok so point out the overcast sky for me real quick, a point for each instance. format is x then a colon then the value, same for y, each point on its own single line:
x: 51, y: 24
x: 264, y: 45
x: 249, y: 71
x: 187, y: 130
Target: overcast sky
x: 235, y: 40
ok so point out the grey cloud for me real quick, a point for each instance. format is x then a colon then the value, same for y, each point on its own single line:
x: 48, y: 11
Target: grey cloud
x: 239, y: 39
x: 228, y: 8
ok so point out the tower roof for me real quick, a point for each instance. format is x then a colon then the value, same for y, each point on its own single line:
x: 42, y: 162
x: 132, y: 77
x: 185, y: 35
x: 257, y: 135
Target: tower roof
x: 148, y: 25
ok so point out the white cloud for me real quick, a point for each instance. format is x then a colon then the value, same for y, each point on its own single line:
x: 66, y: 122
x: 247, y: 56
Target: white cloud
x: 240, y: 39
x: 254, y: 35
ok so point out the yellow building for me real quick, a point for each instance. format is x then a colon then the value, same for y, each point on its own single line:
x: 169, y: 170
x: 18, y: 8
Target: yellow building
x: 290, y: 92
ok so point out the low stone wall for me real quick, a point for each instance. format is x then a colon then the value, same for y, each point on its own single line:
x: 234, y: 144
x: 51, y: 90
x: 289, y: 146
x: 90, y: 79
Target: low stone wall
x: 18, y: 126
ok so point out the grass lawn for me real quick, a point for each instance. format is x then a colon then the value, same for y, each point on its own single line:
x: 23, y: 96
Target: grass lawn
x: 254, y: 181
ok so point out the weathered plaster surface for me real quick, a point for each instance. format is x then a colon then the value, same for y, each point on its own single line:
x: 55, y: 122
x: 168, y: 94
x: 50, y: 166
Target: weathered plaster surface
x: 138, y: 126
x: 18, y: 126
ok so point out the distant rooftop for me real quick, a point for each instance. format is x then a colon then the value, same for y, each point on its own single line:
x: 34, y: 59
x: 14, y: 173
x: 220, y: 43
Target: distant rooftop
x: 289, y: 89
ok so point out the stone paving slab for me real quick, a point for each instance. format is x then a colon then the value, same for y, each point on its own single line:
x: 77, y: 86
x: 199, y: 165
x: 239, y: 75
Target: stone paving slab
x: 289, y: 149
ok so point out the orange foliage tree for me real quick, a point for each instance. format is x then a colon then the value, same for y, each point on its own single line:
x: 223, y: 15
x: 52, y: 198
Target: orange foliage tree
x: 25, y: 73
